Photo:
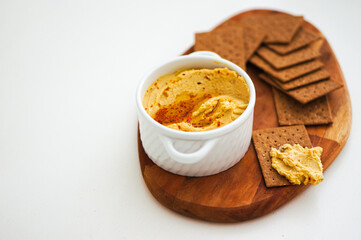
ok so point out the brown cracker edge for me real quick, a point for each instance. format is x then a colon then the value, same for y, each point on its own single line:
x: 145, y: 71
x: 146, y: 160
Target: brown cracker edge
x: 307, y: 93
x: 284, y: 61
x: 286, y: 74
x: 312, y: 77
x: 302, y: 38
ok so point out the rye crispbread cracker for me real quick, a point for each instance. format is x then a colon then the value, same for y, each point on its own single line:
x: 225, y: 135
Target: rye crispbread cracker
x: 265, y: 139
x: 302, y: 38
x: 291, y: 112
x: 309, y: 92
x: 252, y: 36
x: 282, y: 61
x: 312, y: 77
x: 279, y: 28
x: 313, y: 91
x: 227, y: 42
x: 286, y: 74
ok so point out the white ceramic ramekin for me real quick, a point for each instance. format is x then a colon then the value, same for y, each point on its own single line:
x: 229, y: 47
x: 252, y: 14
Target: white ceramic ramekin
x: 195, y: 153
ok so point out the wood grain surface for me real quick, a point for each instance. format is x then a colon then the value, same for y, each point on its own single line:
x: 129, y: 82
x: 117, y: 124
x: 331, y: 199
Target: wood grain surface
x: 239, y: 193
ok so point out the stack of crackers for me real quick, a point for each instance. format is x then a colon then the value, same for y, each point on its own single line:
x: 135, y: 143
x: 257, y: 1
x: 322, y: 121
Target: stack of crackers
x: 287, y: 53
x: 289, y: 56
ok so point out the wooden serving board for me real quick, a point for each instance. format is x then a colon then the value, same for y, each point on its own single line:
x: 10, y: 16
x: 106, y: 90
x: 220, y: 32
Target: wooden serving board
x: 240, y: 193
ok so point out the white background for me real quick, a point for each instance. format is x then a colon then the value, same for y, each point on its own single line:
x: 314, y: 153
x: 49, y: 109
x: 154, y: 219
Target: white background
x: 68, y: 151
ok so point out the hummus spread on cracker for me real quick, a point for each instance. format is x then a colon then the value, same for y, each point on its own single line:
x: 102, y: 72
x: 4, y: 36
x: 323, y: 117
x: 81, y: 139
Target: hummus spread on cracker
x: 298, y: 164
x: 198, y: 99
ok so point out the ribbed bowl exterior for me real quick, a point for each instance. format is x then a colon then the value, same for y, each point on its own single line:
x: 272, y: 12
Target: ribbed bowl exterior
x: 229, y: 149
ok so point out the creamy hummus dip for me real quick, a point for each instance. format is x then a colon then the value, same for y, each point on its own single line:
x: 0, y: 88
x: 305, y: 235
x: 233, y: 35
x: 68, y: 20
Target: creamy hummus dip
x: 198, y: 99
x: 298, y: 164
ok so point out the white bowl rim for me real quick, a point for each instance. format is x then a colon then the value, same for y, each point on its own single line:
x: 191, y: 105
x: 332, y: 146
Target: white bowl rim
x: 177, y: 134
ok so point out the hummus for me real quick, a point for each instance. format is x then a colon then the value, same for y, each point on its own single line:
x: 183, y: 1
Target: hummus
x: 197, y: 99
x: 298, y: 164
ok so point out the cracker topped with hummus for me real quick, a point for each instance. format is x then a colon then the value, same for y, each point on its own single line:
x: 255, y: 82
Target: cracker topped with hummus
x: 197, y: 100
x: 298, y: 164
x: 287, y: 156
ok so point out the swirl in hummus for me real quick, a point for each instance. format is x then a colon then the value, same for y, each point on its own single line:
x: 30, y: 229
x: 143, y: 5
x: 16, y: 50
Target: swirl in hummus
x: 198, y: 99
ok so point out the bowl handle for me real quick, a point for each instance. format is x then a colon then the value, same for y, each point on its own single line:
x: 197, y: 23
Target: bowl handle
x: 205, y: 53
x: 187, y: 158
